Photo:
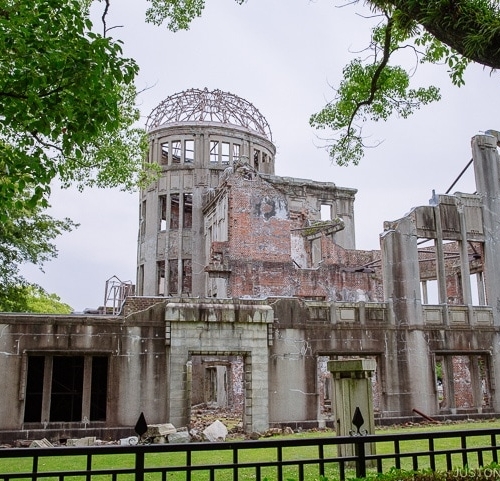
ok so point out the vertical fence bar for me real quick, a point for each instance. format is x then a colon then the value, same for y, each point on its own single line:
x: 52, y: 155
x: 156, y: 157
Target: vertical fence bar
x: 432, y: 455
x: 34, y: 470
x: 463, y: 444
x: 89, y: 467
x: 139, y: 465
x: 280, y: 463
x: 449, y: 466
x: 493, y: 442
x: 342, y: 470
x: 415, y: 462
x: 397, y: 452
x: 235, y: 463
x: 359, y: 449
x: 188, y: 465
x: 321, y: 456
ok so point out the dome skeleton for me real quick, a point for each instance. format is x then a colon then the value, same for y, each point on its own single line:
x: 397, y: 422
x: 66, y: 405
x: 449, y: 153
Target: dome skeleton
x: 195, y: 105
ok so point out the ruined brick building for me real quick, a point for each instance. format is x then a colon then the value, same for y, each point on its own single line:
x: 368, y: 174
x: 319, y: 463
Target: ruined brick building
x: 247, y: 283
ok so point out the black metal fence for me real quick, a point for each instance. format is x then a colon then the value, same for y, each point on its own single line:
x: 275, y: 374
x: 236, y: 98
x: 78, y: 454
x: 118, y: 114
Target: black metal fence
x: 273, y: 459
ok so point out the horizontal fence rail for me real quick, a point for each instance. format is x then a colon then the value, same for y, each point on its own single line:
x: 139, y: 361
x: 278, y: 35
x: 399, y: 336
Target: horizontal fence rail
x: 333, y: 457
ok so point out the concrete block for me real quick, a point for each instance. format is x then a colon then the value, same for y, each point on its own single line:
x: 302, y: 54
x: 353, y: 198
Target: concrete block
x: 216, y: 432
x: 41, y: 443
x: 155, y: 430
x: 179, y: 437
x: 87, y: 441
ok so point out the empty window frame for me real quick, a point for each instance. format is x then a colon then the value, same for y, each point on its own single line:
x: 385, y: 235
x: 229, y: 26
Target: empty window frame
x: 187, y: 220
x: 164, y: 153
x: 142, y: 219
x: 214, y: 151
x: 225, y: 150
x: 236, y: 152
x: 66, y: 388
x: 174, y: 211
x: 187, y: 276
x: 189, y: 151
x: 160, y: 269
x: 173, y: 277
x: 140, y: 280
x: 463, y: 381
x: 176, y: 151
x: 326, y: 212
x: 162, y: 207
x: 256, y: 159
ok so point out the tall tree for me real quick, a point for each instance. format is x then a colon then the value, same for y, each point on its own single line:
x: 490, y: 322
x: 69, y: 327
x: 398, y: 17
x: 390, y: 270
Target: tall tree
x: 67, y: 110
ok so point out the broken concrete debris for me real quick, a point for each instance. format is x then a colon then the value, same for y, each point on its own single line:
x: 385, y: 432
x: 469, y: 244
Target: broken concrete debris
x: 41, y: 443
x: 217, y: 431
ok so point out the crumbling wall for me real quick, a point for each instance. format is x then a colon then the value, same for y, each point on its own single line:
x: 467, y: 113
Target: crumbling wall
x: 278, y: 246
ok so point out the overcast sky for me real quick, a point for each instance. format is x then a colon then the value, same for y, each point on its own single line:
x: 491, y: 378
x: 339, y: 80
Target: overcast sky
x: 284, y: 56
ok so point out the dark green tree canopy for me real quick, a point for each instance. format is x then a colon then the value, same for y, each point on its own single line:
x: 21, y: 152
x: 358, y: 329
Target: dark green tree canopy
x: 66, y: 101
x: 67, y: 111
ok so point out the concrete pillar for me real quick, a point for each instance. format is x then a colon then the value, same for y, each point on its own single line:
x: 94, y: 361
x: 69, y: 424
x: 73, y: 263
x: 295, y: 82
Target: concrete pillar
x: 411, y: 383
x: 352, y: 389
x: 487, y: 174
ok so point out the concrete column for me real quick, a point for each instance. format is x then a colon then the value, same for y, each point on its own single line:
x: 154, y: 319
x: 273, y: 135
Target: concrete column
x: 487, y: 173
x: 410, y: 384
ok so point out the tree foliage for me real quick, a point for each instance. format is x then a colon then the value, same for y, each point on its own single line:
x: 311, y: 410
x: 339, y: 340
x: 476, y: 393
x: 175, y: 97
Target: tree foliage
x: 33, y: 299
x: 67, y: 111
x: 65, y: 103
x: 27, y: 236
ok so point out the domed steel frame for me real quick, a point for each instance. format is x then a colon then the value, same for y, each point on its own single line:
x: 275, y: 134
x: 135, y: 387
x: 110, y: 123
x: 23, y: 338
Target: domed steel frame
x: 195, y: 105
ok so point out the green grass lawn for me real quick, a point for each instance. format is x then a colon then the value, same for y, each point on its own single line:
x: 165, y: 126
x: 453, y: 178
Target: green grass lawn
x: 221, y: 457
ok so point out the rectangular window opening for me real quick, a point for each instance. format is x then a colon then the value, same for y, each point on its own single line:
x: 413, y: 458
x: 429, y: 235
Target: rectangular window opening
x: 164, y: 153
x: 189, y: 151
x: 188, y: 211
x: 67, y: 389
x: 163, y: 212
x: 173, y: 277
x: 326, y: 212
x: 214, y: 151
x: 236, y: 152
x: 187, y: 276
x: 174, y: 211
x: 99, y: 392
x: 34, y: 389
x: 142, y: 219
x: 176, y: 152
x: 256, y: 159
x: 225, y: 152
x: 63, y: 389
x: 161, y: 277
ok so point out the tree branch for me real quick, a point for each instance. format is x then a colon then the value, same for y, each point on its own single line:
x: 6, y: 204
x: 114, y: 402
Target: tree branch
x: 458, y: 24
x: 376, y: 75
